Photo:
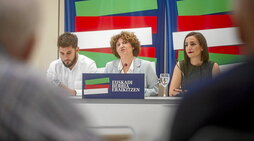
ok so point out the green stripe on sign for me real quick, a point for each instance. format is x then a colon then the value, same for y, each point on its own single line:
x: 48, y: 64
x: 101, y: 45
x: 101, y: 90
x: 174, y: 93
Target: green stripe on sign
x: 221, y: 59
x: 203, y: 7
x: 109, y: 7
x: 97, y: 81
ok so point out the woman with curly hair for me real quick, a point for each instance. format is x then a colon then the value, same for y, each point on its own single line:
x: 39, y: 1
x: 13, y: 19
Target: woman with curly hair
x: 126, y: 47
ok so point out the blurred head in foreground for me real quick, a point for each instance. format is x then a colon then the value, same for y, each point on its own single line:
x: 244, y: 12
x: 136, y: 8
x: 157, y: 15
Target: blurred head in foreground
x: 19, y: 20
x: 244, y: 19
x: 31, y: 110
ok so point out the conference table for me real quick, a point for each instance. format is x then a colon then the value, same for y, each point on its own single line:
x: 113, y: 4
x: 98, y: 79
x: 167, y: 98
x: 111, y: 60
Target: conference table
x: 147, y: 119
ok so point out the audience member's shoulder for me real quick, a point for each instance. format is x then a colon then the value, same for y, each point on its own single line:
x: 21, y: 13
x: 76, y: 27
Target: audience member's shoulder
x: 32, y: 80
x: 243, y: 68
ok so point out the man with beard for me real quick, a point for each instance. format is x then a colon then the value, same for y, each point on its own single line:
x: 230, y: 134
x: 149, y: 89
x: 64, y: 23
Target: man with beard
x: 66, y: 72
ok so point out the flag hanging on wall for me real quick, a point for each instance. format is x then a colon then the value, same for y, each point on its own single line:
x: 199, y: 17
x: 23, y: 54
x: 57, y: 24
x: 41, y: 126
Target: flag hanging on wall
x: 213, y: 19
x: 96, y: 21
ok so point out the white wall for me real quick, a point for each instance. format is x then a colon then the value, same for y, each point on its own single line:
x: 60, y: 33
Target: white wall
x: 49, y: 28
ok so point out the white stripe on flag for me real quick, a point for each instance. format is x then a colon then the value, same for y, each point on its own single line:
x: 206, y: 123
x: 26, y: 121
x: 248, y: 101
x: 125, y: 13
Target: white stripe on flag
x: 214, y: 37
x: 96, y: 91
x: 101, y: 39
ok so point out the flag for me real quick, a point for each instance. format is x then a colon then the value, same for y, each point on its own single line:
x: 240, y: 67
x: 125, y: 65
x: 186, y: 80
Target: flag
x: 96, y: 86
x: 214, y: 20
x: 96, y: 21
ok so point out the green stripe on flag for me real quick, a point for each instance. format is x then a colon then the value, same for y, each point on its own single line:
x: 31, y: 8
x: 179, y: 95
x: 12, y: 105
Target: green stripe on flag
x: 102, y: 59
x: 221, y: 59
x: 109, y: 7
x: 97, y: 81
x: 148, y: 59
x: 203, y: 7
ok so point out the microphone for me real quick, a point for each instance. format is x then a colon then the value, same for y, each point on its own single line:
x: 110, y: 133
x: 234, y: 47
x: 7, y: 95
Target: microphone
x: 124, y: 65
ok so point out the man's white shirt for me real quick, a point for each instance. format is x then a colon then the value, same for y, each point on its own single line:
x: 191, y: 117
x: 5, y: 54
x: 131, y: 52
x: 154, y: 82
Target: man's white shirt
x: 59, y: 74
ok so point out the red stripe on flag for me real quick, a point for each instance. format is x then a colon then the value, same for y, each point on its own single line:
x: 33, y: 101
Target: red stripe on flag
x: 188, y: 23
x: 84, y: 23
x: 148, y: 52
x: 96, y: 86
x: 98, y: 50
x: 235, y: 50
x: 145, y: 51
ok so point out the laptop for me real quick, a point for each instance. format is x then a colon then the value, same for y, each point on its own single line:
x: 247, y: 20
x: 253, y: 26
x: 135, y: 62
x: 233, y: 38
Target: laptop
x: 113, y: 86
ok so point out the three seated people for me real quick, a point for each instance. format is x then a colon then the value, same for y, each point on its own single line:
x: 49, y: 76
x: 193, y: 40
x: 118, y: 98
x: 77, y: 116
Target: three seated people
x: 67, y: 71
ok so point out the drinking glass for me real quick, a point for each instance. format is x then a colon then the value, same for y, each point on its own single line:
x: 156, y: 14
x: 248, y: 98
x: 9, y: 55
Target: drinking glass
x: 164, y: 80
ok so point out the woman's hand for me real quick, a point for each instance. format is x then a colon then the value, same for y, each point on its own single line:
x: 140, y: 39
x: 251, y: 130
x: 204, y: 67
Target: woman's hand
x: 177, y: 91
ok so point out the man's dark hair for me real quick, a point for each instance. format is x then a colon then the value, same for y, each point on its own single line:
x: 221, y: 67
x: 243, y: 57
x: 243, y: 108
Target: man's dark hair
x: 67, y: 39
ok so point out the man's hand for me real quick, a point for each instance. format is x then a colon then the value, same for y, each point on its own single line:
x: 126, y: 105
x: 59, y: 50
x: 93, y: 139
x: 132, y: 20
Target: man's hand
x: 71, y: 91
